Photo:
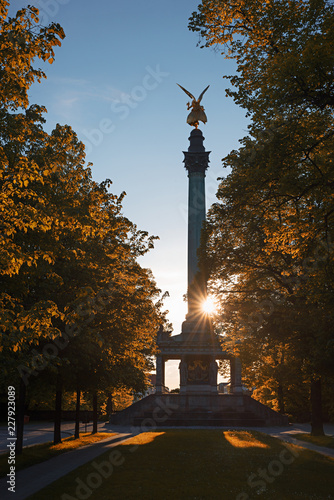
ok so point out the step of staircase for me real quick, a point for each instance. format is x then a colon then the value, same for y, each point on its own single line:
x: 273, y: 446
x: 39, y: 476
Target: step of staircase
x: 205, y: 418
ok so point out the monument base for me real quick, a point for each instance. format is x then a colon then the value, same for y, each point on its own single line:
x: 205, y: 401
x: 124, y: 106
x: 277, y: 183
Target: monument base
x: 220, y: 410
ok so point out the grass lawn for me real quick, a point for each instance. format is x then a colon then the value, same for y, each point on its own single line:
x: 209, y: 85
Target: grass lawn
x: 40, y: 452
x: 326, y: 441
x: 199, y: 464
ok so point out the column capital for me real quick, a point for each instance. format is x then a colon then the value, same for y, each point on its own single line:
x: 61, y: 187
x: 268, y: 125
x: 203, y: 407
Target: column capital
x: 196, y: 159
x: 196, y: 162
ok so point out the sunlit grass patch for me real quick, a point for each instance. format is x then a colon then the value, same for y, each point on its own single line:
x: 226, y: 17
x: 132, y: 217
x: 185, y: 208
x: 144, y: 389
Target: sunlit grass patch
x: 86, y: 438
x: 243, y: 439
x: 144, y: 438
x: 39, y: 453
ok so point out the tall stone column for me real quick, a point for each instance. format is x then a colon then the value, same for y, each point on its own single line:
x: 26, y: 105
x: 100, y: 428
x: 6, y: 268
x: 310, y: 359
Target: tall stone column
x: 236, y: 382
x: 196, y: 161
x: 183, y: 367
x: 160, y: 374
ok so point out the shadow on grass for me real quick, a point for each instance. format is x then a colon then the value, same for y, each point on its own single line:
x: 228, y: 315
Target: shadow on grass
x: 39, y: 453
x: 199, y: 464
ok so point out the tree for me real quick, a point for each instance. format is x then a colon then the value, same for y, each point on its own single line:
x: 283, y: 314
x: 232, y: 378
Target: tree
x: 103, y: 301
x: 75, y: 305
x: 22, y: 40
x: 276, y: 206
x: 281, y: 49
x: 20, y: 132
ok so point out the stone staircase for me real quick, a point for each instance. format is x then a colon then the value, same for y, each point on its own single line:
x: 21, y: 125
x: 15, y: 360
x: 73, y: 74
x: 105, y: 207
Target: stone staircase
x: 174, y: 410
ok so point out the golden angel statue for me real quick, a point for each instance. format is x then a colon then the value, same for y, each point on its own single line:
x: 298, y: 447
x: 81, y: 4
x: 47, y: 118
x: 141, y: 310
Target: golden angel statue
x: 197, y: 113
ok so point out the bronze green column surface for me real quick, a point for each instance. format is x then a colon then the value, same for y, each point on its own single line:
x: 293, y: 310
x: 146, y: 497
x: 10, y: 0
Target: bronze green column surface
x: 196, y: 161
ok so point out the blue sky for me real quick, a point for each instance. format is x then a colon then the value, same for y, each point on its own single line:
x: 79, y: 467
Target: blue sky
x: 114, y: 82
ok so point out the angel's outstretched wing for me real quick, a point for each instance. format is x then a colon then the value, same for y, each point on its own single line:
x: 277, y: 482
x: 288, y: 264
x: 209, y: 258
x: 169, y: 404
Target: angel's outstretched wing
x: 202, y: 94
x: 188, y: 93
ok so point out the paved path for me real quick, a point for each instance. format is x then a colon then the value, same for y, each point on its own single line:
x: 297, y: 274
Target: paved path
x: 283, y: 434
x: 36, y: 477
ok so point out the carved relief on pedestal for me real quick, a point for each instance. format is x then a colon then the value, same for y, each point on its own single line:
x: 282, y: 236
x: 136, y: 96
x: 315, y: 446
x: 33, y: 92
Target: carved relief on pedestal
x: 198, y: 372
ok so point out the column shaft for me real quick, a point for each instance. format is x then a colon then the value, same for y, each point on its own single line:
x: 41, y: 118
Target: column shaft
x: 196, y: 217
x: 196, y: 161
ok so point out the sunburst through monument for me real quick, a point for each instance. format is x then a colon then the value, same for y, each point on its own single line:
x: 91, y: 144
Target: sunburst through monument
x: 197, y: 347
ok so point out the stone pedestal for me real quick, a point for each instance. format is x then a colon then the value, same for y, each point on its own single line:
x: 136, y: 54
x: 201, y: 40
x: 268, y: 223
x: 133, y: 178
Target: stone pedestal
x: 198, y: 355
x: 198, y: 374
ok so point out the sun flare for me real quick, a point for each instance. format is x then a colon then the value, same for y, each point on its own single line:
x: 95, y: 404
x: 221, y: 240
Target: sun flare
x: 209, y: 306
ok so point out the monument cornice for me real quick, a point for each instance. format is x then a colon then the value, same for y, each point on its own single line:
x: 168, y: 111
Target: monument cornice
x: 178, y: 346
x: 191, y: 349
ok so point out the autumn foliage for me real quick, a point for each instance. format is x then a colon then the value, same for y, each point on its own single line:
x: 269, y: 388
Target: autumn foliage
x: 75, y: 305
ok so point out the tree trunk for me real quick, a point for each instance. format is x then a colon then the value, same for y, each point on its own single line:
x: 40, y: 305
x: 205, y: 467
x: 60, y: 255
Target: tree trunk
x: 94, y: 431
x: 77, y: 415
x: 317, y: 428
x: 280, y: 398
x: 109, y: 408
x: 57, y: 422
x: 20, y: 417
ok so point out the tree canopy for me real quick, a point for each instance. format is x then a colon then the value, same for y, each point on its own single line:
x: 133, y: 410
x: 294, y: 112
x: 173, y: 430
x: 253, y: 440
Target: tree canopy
x: 281, y: 48
x: 74, y: 300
